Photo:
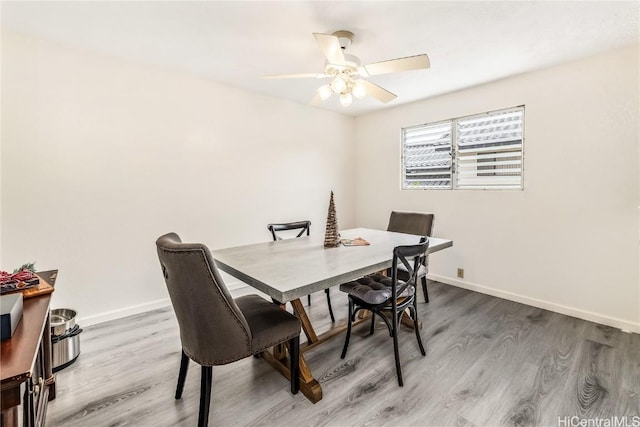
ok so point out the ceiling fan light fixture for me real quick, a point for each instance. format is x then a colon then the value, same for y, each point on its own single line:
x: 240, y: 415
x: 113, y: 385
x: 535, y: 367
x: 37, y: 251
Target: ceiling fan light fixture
x: 324, y: 92
x: 359, y: 90
x: 339, y: 84
x: 346, y: 99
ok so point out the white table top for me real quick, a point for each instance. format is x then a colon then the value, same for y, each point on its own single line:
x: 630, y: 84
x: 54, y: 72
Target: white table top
x: 292, y: 268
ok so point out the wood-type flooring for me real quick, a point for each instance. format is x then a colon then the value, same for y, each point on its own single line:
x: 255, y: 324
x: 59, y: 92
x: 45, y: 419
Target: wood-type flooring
x: 489, y: 362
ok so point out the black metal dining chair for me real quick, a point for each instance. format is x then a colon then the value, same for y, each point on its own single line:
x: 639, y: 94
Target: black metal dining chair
x: 382, y: 294
x: 421, y: 224
x: 216, y: 329
x: 304, y: 227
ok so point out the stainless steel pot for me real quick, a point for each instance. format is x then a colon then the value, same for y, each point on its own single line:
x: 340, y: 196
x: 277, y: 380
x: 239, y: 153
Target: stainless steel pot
x: 65, y: 349
x: 65, y: 338
x: 62, y: 320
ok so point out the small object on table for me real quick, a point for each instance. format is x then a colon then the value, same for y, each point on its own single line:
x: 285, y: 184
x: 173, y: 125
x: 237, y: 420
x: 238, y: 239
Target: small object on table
x: 18, y: 281
x: 10, y: 314
x: 358, y: 241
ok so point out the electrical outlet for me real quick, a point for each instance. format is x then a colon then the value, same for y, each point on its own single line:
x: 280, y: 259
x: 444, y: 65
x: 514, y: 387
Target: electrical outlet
x: 461, y: 273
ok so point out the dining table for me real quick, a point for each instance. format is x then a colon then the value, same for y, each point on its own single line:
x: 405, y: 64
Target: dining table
x: 287, y: 270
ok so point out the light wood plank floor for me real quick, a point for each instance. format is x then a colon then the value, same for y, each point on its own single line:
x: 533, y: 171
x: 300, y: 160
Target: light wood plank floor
x: 489, y: 362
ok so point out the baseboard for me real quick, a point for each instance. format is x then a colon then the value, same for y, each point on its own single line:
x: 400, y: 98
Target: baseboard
x: 139, y: 308
x: 625, y: 325
x: 122, y: 312
x: 558, y: 308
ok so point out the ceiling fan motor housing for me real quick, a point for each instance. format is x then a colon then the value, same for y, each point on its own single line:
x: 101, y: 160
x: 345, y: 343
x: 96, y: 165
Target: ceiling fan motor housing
x: 351, y: 66
x: 344, y: 37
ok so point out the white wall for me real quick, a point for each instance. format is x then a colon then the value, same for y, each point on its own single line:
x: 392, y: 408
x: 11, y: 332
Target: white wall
x: 569, y: 241
x: 100, y: 157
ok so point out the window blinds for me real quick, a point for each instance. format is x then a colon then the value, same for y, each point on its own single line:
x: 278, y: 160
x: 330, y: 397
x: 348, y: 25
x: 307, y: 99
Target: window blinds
x: 427, y: 155
x: 489, y: 150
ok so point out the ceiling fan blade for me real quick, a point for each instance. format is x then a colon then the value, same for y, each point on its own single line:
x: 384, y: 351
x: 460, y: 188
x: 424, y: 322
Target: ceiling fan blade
x: 417, y: 62
x: 330, y: 46
x: 294, y: 76
x: 375, y: 91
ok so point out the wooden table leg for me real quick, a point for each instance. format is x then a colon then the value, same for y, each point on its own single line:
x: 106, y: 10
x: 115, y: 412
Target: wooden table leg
x: 277, y: 358
x: 307, y: 327
x: 406, y: 320
x: 309, y: 386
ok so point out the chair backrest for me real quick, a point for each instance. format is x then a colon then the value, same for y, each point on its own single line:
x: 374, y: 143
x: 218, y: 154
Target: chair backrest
x: 403, y: 255
x: 303, y: 226
x: 213, y: 330
x: 420, y: 223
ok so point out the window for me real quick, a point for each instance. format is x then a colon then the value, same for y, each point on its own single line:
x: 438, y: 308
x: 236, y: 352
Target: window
x: 483, y: 151
x: 427, y: 155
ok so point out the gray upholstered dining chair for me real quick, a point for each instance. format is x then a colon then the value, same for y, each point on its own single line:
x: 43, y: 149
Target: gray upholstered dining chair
x: 421, y: 224
x: 304, y: 227
x: 216, y: 329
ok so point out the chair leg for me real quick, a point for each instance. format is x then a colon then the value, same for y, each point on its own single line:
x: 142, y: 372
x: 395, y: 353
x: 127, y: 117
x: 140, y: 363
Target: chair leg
x: 424, y: 289
x: 309, y: 300
x: 294, y: 354
x: 396, y: 353
x: 416, y: 327
x: 205, y: 396
x: 349, y: 320
x: 333, y: 319
x: 373, y: 323
x: 184, y: 365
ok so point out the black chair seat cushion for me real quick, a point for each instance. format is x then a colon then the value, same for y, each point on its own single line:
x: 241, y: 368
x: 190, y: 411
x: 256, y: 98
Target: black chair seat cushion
x: 269, y: 324
x: 374, y: 289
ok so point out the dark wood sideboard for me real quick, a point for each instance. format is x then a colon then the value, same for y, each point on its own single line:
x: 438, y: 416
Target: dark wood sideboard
x: 25, y: 365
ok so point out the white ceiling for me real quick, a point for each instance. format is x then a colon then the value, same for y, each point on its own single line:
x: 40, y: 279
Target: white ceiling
x: 235, y: 42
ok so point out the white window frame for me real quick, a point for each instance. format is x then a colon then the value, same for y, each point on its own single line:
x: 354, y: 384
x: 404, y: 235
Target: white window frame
x: 456, y: 154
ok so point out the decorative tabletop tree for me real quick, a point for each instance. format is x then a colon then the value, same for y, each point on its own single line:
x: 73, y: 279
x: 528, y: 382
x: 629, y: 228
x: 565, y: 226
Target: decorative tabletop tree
x: 331, y: 234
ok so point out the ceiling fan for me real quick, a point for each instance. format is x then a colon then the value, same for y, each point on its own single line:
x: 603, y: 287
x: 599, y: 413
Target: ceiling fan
x: 346, y: 72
